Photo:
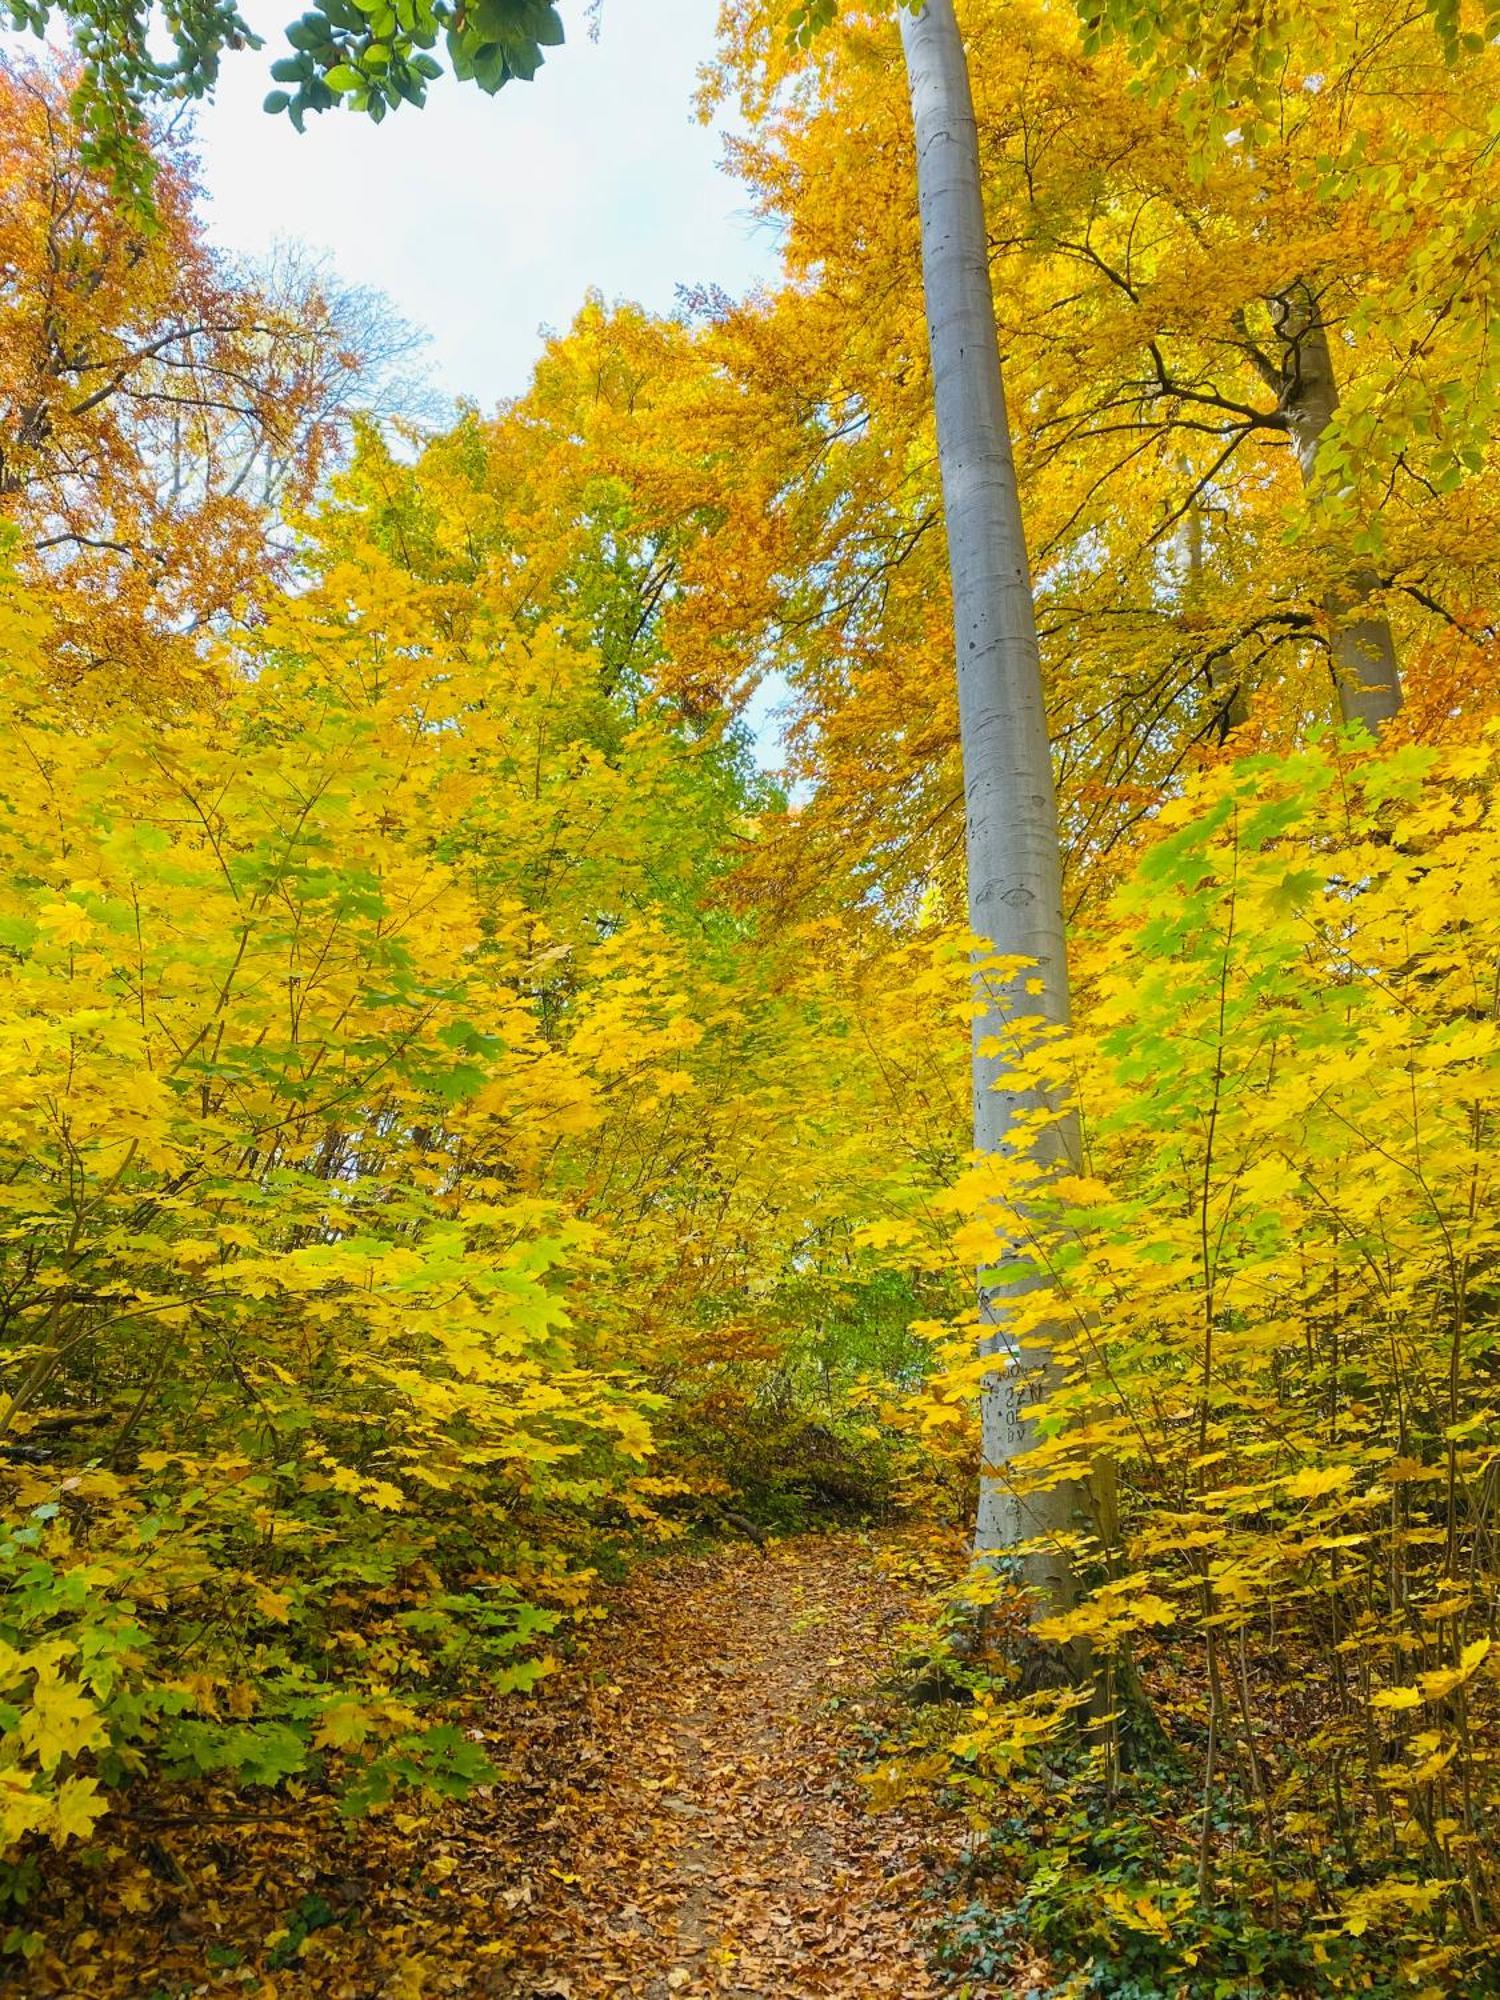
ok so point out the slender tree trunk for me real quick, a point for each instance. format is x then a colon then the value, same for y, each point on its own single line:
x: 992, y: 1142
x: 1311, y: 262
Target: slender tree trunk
x: 1014, y: 863
x: 1227, y: 689
x: 1365, y: 669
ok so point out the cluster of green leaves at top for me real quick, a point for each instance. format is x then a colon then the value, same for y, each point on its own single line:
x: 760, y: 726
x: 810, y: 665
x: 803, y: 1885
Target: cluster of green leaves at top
x: 371, y: 56
x: 375, y: 54
x: 125, y: 68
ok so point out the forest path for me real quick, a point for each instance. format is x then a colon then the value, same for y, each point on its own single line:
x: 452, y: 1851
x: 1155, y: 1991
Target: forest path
x: 687, y: 1820
x: 678, y: 1814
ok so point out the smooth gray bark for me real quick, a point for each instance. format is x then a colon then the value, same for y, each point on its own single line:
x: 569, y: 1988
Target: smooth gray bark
x: 1365, y: 669
x: 1012, y: 846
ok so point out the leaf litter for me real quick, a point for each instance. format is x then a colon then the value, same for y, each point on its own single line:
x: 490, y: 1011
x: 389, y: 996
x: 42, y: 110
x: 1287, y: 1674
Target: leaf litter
x: 679, y: 1812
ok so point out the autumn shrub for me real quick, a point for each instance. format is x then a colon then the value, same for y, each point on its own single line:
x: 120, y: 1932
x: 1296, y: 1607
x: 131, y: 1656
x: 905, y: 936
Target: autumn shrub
x: 413, y: 1183
x: 781, y: 1465
x: 1277, y: 1269
x: 301, y: 1436
x: 806, y: 1422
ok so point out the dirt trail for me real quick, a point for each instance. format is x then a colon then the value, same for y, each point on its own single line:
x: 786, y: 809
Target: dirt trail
x: 678, y: 1814
x: 690, y: 1822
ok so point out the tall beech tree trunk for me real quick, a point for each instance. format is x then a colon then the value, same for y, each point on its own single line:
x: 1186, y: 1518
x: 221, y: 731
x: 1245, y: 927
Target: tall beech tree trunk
x: 1365, y: 668
x: 1014, y: 863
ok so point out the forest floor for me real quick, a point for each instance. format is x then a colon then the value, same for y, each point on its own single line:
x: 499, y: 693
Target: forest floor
x: 680, y: 1813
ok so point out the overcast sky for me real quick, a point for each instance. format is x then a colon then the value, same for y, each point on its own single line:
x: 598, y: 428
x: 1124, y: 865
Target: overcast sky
x: 486, y: 218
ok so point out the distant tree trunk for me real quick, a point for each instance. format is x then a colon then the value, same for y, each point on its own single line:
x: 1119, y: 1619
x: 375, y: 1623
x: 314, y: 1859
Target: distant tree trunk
x: 1014, y: 863
x: 1365, y: 668
x: 1226, y: 687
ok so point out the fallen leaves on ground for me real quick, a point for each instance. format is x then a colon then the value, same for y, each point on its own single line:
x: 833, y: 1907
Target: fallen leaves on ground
x: 700, y: 1827
x: 680, y: 1814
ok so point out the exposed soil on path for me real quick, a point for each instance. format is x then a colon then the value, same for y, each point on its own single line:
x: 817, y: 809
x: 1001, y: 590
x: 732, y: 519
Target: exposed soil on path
x: 679, y: 1814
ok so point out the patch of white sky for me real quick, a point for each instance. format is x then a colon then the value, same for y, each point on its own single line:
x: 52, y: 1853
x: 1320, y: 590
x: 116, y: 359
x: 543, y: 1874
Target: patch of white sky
x: 486, y: 220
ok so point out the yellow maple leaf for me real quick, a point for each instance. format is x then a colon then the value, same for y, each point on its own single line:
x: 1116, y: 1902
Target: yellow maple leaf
x: 22, y: 1810
x: 1397, y: 1697
x: 65, y: 923
x: 61, y: 1722
x: 1313, y: 1481
x: 343, y: 1723
x: 196, y: 1250
x: 78, y: 1808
